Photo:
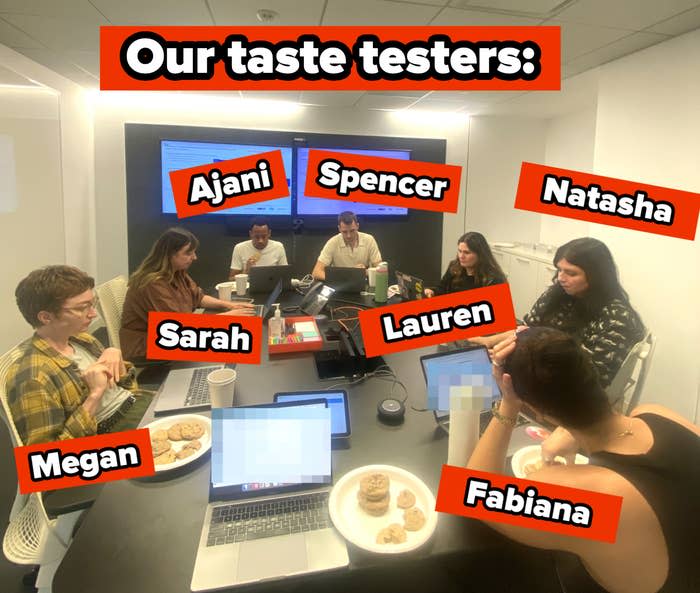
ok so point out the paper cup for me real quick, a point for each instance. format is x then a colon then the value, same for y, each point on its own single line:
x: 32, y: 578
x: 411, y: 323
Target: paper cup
x: 241, y: 283
x: 225, y: 289
x: 222, y: 387
x: 372, y: 276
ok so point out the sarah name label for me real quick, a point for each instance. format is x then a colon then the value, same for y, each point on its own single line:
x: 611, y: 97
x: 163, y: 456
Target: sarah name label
x: 84, y: 460
x: 424, y: 322
x: 204, y: 338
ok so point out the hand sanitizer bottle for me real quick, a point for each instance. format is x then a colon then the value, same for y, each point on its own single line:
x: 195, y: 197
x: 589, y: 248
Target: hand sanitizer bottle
x: 276, y: 324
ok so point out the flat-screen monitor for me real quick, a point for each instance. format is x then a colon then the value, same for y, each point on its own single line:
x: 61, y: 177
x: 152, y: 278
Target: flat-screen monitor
x: 320, y: 206
x: 183, y: 154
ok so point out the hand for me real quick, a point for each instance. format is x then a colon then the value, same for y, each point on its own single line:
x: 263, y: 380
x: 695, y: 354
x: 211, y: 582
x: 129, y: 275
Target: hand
x: 112, y: 359
x: 561, y: 442
x: 97, y: 377
x: 429, y: 293
x: 252, y: 260
x: 511, y: 403
x: 242, y: 309
x: 361, y: 266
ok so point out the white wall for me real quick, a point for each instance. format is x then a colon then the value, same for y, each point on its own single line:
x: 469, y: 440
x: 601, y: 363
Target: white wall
x: 113, y: 110
x: 648, y: 129
x: 497, y: 147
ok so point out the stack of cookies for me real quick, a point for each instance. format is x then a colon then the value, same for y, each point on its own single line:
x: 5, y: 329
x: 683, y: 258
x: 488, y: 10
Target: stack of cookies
x: 373, y: 494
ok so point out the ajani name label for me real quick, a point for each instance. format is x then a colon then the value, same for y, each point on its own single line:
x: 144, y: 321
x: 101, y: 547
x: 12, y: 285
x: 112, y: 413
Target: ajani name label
x: 436, y: 322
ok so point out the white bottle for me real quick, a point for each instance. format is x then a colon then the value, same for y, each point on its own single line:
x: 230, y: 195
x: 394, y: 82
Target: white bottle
x: 276, y: 324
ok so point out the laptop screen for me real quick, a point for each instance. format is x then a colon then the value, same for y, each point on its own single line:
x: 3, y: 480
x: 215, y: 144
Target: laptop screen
x: 468, y: 371
x: 264, y: 448
x: 337, y: 402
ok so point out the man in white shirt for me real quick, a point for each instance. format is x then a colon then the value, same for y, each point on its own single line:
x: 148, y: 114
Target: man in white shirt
x: 348, y: 249
x: 260, y: 250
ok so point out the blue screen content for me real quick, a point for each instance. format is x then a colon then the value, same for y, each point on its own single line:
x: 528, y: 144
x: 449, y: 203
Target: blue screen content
x: 183, y: 154
x: 336, y: 404
x: 321, y: 206
x: 271, y: 446
x: 467, y: 373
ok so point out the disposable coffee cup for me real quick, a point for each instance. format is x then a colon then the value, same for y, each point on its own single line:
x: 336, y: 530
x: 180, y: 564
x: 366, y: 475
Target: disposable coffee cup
x: 225, y: 289
x: 372, y: 277
x: 222, y: 387
x: 241, y: 283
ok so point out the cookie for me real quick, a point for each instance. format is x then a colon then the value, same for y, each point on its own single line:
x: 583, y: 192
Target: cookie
x: 394, y: 534
x: 374, y: 486
x: 376, y: 508
x: 159, y: 435
x: 413, y: 519
x: 195, y: 445
x: 185, y: 452
x: 167, y: 457
x: 160, y: 447
x: 191, y: 430
x: 406, y: 499
x: 175, y: 432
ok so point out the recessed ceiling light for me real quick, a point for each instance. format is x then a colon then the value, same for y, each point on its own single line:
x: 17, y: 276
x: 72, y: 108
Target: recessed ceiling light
x: 265, y: 15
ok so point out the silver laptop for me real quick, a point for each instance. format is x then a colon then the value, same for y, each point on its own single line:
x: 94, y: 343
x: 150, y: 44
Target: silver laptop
x: 268, y: 512
x: 185, y: 389
x: 264, y: 310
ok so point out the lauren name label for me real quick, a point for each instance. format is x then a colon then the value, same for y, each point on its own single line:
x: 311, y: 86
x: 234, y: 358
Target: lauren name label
x: 524, y: 503
x: 205, y: 338
x: 605, y: 200
x: 425, y: 322
x: 75, y: 462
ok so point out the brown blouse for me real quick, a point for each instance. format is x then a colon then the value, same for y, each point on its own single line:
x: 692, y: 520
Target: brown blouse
x: 181, y: 295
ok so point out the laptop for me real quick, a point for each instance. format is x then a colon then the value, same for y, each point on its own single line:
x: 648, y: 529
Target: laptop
x: 185, y: 389
x: 267, y: 516
x: 350, y: 280
x: 265, y: 278
x: 264, y: 310
x: 410, y: 287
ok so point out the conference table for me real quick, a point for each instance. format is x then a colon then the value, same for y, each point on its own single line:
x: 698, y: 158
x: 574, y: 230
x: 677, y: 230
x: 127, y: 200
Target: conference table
x: 143, y: 534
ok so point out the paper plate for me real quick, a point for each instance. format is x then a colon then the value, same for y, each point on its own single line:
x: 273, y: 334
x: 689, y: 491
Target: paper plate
x: 167, y: 422
x: 531, y: 454
x: 361, y: 529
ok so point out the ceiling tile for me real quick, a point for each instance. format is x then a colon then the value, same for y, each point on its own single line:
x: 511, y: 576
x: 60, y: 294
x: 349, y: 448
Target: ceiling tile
x: 87, y: 60
x: 679, y: 24
x: 577, y: 39
x: 9, y: 77
x: 60, y: 64
x: 331, y: 98
x: 624, y: 14
x: 429, y: 2
x: 477, y: 96
x: 377, y: 12
x: 242, y: 12
x: 13, y: 37
x: 464, y: 18
x: 272, y: 95
x: 61, y: 33
x: 368, y: 101
x: 71, y: 9
x: 618, y: 49
x: 155, y: 12
x: 538, y: 7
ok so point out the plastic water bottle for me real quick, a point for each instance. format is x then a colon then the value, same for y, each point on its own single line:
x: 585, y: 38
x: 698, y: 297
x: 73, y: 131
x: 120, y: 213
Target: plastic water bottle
x: 382, y: 283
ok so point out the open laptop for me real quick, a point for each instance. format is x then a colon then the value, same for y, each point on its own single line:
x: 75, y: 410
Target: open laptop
x: 264, y: 310
x: 265, y: 278
x: 185, y: 389
x: 410, y: 287
x: 267, y: 516
x: 349, y: 280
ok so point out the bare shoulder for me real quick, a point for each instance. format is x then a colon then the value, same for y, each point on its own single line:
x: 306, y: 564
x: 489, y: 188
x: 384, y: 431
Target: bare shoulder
x: 666, y: 413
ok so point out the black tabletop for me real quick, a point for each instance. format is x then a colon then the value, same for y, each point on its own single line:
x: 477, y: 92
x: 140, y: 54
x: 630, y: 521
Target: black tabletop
x: 142, y: 535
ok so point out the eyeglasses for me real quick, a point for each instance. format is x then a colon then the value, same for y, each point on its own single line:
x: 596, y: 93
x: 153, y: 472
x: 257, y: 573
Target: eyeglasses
x: 82, y: 309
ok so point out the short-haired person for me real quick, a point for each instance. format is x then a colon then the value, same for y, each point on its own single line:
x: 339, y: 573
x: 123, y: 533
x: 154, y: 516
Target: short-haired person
x: 259, y: 250
x: 348, y: 249
x: 587, y: 302
x: 650, y: 458
x: 474, y: 267
x: 66, y: 384
x: 161, y: 283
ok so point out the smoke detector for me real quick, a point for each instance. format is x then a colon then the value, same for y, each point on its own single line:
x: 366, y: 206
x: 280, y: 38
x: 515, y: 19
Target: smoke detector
x: 265, y: 15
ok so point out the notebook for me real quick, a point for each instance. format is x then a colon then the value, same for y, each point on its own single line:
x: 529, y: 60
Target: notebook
x: 185, y: 389
x: 267, y: 516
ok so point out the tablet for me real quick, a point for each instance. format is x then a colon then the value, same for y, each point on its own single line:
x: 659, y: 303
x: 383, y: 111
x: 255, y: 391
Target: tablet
x: 337, y: 402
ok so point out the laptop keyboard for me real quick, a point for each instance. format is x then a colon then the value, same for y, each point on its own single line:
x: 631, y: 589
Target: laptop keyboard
x: 198, y: 392
x: 249, y: 521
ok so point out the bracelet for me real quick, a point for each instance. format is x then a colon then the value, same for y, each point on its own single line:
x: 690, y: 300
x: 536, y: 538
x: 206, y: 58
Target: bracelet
x: 505, y: 420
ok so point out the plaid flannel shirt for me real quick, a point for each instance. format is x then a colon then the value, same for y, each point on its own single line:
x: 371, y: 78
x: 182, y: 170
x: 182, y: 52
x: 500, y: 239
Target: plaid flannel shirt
x: 45, y: 392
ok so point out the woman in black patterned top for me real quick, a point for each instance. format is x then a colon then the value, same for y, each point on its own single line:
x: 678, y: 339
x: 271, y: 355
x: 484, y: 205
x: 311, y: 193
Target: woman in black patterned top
x: 587, y: 302
x: 474, y: 267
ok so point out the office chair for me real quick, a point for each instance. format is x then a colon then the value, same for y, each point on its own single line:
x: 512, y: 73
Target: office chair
x: 31, y: 536
x: 638, y: 359
x: 110, y: 303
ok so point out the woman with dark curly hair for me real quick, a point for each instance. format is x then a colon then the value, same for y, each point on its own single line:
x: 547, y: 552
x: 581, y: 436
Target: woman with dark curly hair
x: 587, y: 302
x: 650, y: 458
x: 474, y: 267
